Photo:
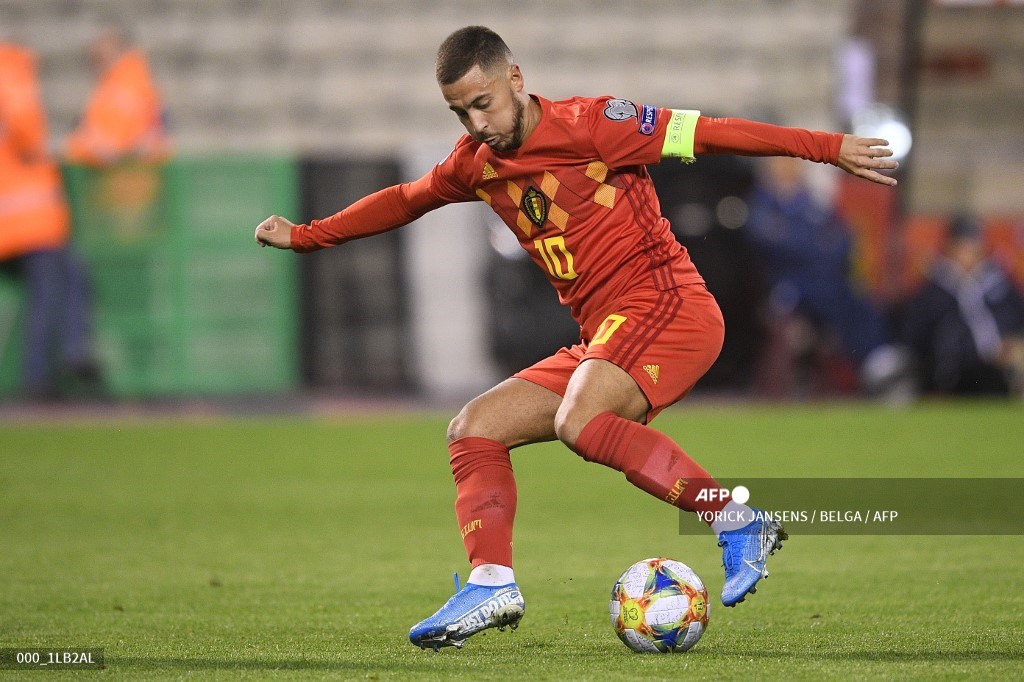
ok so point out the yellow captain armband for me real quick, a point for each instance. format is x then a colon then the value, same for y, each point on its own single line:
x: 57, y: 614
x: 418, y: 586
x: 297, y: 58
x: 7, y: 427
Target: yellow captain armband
x: 679, y: 136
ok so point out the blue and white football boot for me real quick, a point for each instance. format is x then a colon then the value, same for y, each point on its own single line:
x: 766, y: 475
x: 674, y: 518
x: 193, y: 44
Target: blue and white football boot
x: 744, y: 553
x: 470, y: 610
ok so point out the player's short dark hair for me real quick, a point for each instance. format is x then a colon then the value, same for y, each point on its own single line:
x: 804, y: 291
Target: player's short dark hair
x: 468, y: 47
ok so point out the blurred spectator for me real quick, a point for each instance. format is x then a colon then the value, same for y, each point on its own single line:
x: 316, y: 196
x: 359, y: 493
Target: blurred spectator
x: 124, y: 118
x: 34, y: 232
x: 121, y: 141
x: 803, y: 249
x: 966, y: 324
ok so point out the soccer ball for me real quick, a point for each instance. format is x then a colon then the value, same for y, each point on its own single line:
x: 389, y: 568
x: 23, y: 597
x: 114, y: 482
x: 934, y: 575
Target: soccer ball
x: 659, y: 605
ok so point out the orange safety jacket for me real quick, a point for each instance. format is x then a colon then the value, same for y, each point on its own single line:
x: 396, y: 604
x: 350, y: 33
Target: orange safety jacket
x: 124, y: 117
x: 33, y: 211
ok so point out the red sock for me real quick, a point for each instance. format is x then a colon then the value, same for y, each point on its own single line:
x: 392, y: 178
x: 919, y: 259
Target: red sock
x: 485, y: 503
x: 650, y: 460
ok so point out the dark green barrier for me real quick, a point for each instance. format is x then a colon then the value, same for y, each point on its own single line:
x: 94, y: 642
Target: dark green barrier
x: 186, y: 303
x: 11, y: 314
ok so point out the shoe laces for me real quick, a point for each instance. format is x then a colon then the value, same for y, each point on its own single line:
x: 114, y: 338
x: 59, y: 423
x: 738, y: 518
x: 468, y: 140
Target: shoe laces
x: 730, y: 558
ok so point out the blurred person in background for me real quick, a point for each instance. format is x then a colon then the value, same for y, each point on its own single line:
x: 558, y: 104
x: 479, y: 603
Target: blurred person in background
x: 34, y: 234
x: 804, y: 251
x: 124, y: 118
x: 966, y: 324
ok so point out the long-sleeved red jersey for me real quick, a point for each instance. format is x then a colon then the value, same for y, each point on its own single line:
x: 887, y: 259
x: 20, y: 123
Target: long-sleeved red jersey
x: 577, y: 194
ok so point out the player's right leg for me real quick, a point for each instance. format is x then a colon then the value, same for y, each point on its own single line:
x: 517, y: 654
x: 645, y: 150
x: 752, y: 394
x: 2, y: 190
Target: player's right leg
x: 515, y: 412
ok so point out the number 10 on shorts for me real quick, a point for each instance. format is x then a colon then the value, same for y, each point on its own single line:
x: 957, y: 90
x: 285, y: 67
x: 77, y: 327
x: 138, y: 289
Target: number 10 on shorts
x: 607, y: 328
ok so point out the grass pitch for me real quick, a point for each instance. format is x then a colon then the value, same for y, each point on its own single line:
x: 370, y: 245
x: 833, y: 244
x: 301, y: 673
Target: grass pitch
x: 303, y: 548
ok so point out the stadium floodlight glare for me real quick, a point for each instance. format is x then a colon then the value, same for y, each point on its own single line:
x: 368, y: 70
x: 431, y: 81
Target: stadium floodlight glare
x: 882, y: 120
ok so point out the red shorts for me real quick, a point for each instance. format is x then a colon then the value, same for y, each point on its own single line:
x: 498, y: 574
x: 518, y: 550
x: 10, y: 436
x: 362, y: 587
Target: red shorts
x: 665, y: 340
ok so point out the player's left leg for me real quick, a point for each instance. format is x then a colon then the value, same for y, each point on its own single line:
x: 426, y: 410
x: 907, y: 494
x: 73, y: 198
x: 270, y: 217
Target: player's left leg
x: 660, y: 347
x: 601, y: 419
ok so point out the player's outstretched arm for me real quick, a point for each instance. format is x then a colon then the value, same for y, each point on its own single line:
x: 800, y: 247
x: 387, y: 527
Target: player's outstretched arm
x: 379, y: 212
x: 865, y: 156
x: 860, y: 156
x: 275, y: 231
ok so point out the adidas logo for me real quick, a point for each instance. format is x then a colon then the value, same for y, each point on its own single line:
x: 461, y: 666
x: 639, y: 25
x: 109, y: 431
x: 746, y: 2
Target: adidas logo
x: 489, y: 172
x: 652, y: 370
x: 493, y: 503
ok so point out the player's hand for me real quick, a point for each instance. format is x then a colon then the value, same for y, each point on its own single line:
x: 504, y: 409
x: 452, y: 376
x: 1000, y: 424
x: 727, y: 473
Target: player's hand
x: 865, y: 156
x: 275, y: 231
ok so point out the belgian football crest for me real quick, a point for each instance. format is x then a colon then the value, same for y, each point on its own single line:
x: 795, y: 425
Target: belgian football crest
x: 535, y: 206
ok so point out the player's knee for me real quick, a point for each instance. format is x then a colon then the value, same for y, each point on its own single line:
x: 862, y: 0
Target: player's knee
x: 469, y: 422
x: 458, y: 427
x: 569, y: 422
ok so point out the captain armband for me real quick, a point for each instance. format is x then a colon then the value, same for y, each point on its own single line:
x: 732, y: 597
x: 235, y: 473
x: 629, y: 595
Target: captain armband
x: 679, y: 136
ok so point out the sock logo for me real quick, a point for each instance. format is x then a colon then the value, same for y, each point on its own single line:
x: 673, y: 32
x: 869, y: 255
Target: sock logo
x: 493, y: 503
x: 652, y: 370
x: 473, y: 525
x: 677, y: 490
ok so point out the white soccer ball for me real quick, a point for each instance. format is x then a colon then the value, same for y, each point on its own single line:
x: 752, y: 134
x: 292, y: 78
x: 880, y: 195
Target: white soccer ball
x: 659, y: 606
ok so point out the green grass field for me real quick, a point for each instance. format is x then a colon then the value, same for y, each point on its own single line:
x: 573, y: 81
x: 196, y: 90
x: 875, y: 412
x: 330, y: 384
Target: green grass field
x: 305, y: 548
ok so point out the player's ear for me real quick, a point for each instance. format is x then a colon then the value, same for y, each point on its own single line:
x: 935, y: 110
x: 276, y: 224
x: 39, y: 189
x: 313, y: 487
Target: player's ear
x: 515, y: 78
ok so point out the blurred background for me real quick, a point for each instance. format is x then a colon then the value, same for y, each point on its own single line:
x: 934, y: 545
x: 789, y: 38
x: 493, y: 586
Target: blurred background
x: 244, y: 108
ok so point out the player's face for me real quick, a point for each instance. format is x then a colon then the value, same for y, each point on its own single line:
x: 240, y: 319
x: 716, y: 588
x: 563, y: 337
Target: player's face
x: 490, y: 106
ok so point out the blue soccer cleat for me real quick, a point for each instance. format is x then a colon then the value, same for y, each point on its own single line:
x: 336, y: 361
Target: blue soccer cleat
x: 470, y: 610
x: 744, y: 553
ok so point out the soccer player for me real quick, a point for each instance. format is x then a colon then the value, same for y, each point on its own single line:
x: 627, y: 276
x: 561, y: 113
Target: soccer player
x: 569, y: 180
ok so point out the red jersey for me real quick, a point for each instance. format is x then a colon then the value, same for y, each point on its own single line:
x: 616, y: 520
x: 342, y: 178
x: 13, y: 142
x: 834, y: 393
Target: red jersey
x: 577, y: 194
x: 578, y: 198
